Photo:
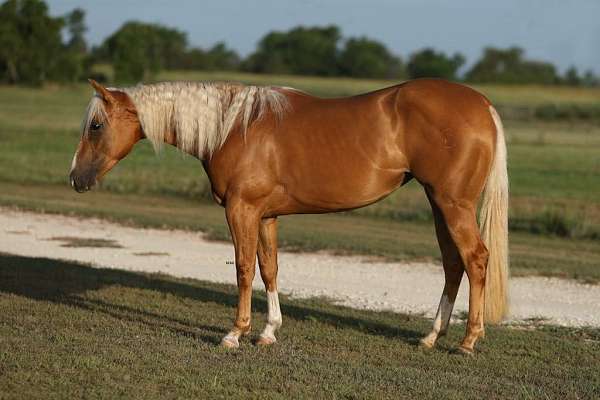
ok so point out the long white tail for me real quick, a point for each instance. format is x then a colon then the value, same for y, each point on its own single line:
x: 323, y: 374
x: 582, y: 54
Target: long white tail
x: 493, y: 221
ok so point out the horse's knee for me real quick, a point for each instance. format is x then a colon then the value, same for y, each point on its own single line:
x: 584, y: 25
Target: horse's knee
x: 245, y: 274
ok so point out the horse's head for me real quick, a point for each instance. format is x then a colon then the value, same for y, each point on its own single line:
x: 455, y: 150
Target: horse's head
x: 110, y: 129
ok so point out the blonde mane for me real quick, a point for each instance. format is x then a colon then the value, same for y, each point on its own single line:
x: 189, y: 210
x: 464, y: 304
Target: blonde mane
x: 201, y: 114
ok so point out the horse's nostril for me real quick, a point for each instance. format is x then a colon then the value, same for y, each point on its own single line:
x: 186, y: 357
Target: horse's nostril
x: 75, y: 184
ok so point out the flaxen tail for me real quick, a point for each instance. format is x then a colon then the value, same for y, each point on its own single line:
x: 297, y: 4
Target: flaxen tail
x: 493, y: 221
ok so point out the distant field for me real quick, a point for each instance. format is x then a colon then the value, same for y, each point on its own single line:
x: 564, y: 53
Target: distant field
x: 554, y: 171
x: 71, y: 331
x: 504, y: 94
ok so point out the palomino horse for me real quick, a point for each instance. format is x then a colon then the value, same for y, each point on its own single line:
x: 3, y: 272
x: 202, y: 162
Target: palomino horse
x: 272, y: 151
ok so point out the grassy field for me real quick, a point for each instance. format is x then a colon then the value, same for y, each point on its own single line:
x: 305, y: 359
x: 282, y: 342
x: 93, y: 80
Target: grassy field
x: 70, y: 331
x: 554, y: 172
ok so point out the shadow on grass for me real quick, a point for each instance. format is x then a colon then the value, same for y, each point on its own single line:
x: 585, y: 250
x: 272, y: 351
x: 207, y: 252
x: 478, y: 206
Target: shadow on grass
x: 65, y: 282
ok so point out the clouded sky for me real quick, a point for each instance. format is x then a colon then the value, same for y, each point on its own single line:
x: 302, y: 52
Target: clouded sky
x: 565, y: 32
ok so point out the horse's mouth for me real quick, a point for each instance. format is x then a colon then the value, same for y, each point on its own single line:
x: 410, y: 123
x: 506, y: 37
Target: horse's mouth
x: 82, y: 189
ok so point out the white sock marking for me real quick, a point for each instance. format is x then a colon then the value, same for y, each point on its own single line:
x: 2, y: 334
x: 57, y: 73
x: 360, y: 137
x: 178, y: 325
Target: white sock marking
x: 274, y: 316
x: 442, y: 318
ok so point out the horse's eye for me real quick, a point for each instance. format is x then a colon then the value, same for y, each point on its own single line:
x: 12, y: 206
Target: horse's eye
x: 94, y: 126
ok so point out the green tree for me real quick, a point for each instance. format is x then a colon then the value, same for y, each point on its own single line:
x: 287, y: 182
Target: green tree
x: 366, y: 58
x: 30, y: 42
x: 138, y: 50
x: 73, y: 63
x: 194, y: 58
x: 220, y: 58
x: 510, y: 66
x: 305, y: 51
x: 590, y: 79
x: 75, y: 25
x: 497, y: 65
x: 572, y: 77
x: 428, y: 63
x: 217, y: 58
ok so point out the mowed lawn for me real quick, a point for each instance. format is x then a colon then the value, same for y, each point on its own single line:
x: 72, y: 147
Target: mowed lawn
x: 71, y: 331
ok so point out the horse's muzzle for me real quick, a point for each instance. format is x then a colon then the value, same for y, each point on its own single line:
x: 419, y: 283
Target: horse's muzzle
x: 81, y: 184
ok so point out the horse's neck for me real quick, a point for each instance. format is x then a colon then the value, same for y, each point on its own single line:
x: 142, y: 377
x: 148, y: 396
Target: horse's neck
x: 170, y: 138
x: 198, y: 118
x: 170, y: 113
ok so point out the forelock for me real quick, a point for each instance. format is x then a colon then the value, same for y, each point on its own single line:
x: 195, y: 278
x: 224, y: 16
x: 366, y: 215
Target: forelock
x: 95, y: 111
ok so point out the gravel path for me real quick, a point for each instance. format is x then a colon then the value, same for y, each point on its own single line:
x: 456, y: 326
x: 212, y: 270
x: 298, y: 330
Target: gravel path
x: 351, y: 281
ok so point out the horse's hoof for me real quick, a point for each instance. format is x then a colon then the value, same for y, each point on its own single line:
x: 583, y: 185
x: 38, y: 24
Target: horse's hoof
x: 427, y: 343
x: 464, y: 351
x: 265, y: 340
x: 430, y: 340
x: 230, y: 342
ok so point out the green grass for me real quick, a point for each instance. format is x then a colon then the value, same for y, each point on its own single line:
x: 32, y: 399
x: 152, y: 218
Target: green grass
x: 70, y: 331
x: 554, y: 172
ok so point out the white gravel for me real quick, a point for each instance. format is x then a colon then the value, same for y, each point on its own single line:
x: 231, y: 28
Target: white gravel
x: 350, y: 281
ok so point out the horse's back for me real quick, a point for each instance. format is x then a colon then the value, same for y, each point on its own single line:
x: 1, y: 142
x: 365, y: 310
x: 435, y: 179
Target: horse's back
x: 392, y: 130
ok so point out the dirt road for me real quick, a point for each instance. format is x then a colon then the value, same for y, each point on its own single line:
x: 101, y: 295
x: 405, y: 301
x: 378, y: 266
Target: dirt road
x: 351, y: 281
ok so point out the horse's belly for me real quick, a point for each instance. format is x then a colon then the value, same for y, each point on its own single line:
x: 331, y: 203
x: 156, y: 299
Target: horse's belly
x: 341, y: 190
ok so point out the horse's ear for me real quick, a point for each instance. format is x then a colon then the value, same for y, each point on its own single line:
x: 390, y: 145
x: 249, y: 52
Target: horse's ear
x: 101, y: 90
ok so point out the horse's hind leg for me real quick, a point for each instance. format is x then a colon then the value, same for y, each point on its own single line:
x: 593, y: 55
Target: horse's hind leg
x: 453, y: 272
x: 267, y: 260
x: 461, y: 222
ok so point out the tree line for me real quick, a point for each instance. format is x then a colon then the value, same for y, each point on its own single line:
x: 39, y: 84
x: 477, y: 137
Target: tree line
x: 32, y: 47
x: 35, y: 47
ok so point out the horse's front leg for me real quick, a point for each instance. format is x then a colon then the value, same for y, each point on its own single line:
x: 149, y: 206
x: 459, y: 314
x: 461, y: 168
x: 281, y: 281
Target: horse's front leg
x: 243, y: 219
x: 267, y: 261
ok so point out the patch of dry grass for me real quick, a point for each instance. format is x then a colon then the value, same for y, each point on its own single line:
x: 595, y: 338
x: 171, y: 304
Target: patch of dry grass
x: 71, y: 331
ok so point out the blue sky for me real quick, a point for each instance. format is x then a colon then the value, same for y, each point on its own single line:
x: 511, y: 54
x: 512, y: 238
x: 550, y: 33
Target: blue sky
x: 564, y: 32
